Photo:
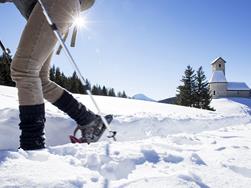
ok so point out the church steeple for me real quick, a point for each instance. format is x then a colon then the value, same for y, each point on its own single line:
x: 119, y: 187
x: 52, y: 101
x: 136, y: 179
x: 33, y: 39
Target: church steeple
x: 218, y: 65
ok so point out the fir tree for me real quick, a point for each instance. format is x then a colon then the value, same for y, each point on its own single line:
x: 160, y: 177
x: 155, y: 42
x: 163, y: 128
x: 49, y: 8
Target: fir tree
x: 53, y: 73
x: 74, y: 83
x: 202, y: 93
x: 95, y: 90
x: 58, y: 77
x: 119, y: 94
x: 104, y: 91
x: 185, y: 95
x: 111, y: 92
x: 81, y: 87
x: 124, y: 94
x: 5, y: 74
x: 87, y: 86
x: 64, y: 81
x: 100, y: 91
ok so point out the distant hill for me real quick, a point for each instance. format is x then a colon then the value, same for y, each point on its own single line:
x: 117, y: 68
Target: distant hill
x: 142, y: 97
x: 171, y: 100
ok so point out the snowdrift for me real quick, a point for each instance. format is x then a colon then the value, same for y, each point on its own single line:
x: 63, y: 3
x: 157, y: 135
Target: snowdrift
x: 134, y: 119
x: 159, y: 145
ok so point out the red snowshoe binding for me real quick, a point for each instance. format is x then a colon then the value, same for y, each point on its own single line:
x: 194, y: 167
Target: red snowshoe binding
x: 91, y: 132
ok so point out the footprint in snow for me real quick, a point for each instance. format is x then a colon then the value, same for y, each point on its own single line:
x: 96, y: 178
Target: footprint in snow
x: 214, y: 142
x: 116, y: 170
x: 243, y: 171
x: 193, y: 178
x: 173, y: 159
x: 195, y: 158
x: 94, y: 179
x: 238, y: 147
x: 220, y: 149
x: 228, y: 137
x: 151, y: 155
x: 185, y: 140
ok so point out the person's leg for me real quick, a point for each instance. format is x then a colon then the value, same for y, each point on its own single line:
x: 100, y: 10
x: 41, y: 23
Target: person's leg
x: 36, y: 44
x: 63, y: 99
x: 90, y: 124
x: 51, y: 90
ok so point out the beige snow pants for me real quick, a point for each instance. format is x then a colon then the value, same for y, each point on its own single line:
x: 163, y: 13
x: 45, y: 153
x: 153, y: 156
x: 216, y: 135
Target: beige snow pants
x: 31, y: 63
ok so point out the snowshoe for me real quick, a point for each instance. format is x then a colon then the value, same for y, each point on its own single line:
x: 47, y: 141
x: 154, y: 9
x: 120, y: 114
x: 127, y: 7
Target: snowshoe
x: 92, y: 131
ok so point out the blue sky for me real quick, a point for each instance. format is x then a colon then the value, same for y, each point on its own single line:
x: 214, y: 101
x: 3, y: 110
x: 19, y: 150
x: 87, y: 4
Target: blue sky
x: 144, y: 46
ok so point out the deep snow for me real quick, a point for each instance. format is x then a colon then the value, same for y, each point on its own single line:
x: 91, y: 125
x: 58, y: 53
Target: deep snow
x: 159, y: 145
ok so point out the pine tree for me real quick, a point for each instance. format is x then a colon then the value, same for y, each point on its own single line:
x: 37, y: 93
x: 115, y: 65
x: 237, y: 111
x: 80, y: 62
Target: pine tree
x: 111, y: 92
x: 58, y: 77
x: 95, y: 90
x: 81, y: 87
x: 5, y: 74
x: 124, y: 94
x: 100, y: 91
x: 64, y: 81
x: 119, y: 94
x: 74, y: 83
x: 87, y: 86
x: 185, y: 95
x: 104, y: 91
x: 202, y: 93
x: 53, y: 73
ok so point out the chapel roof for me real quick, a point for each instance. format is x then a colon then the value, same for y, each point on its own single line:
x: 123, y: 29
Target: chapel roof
x: 218, y: 77
x: 217, y: 60
x: 240, y: 86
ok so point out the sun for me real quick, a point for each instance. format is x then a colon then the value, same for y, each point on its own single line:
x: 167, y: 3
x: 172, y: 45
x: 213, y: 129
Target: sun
x: 80, y: 22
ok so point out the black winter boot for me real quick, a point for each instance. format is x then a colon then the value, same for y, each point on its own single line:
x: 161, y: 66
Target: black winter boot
x: 76, y: 110
x: 90, y: 124
x: 32, y: 127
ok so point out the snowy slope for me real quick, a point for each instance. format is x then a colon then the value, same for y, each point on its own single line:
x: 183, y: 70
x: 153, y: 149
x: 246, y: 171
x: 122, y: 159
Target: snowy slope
x: 159, y: 145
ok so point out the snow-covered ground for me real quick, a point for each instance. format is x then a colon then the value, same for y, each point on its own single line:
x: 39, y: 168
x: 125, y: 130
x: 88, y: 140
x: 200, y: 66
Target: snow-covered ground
x: 159, y: 145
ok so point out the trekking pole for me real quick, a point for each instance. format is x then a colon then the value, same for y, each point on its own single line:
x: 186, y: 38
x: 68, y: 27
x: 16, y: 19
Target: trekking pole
x: 72, y: 61
x: 5, y: 52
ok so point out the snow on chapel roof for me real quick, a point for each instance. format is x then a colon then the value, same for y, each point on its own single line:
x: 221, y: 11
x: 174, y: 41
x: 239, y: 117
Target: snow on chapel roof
x: 217, y: 60
x: 218, y: 77
x: 241, y: 86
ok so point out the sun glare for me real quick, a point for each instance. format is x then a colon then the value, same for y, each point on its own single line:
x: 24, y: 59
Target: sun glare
x: 80, y: 22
